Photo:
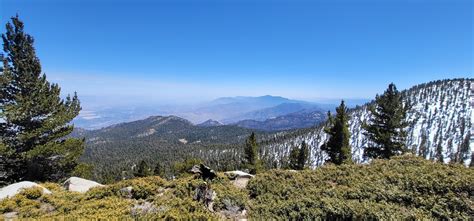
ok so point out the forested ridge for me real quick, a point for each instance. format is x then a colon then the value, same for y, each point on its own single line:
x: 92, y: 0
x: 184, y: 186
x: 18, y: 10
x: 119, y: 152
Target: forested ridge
x: 439, y: 120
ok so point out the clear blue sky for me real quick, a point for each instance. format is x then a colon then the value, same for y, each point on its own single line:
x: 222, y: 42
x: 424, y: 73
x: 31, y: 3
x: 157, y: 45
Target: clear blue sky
x: 197, y: 50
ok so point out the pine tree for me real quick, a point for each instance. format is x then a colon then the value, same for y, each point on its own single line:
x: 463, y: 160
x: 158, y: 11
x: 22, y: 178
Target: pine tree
x: 251, y: 160
x: 424, y: 150
x: 464, y: 148
x: 439, y: 148
x: 337, y: 147
x: 35, y: 120
x: 303, y: 156
x: 293, y: 158
x: 159, y: 170
x: 386, y: 129
x: 299, y: 157
x: 143, y: 170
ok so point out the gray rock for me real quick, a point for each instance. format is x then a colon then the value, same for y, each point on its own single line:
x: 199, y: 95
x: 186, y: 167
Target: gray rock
x: 79, y: 184
x: 126, y: 192
x: 10, y: 216
x: 143, y: 209
x: 240, y: 179
x: 13, y: 189
x: 205, y: 194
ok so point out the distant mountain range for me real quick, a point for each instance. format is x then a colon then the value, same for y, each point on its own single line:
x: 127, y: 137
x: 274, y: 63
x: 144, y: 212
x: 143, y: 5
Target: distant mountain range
x: 227, y: 110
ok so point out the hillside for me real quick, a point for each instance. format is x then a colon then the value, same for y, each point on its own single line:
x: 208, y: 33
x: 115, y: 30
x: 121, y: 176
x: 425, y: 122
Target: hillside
x: 297, y: 120
x: 405, y: 187
x: 160, y: 139
x: 440, y: 120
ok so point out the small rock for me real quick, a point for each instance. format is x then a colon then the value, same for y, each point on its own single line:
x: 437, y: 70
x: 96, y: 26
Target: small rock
x: 13, y: 189
x: 126, y: 192
x: 205, y: 194
x: 46, y: 207
x: 10, y: 216
x: 238, y: 174
x: 143, y: 209
x: 79, y: 184
x: 240, y: 179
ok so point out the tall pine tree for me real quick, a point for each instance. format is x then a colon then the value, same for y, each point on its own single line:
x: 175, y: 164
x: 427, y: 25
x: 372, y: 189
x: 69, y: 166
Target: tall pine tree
x: 34, y: 119
x: 338, y: 147
x: 251, y: 160
x: 386, y: 129
x: 299, y: 157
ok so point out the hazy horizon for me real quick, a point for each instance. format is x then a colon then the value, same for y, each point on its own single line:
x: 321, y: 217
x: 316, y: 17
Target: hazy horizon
x: 186, y: 51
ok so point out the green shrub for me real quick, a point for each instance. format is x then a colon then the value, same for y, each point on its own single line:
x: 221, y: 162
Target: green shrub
x: 404, y: 187
x: 32, y: 192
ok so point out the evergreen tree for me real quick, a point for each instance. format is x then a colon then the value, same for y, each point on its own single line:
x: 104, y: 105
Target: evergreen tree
x: 386, y: 129
x: 303, y: 156
x: 424, y: 150
x: 251, y: 160
x: 439, y: 147
x: 293, y: 158
x: 337, y: 147
x: 143, y: 170
x: 159, y: 170
x: 34, y: 119
x: 464, y: 149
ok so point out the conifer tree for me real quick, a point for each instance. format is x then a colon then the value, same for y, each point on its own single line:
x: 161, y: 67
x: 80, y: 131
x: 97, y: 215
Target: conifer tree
x: 386, y: 129
x: 251, y: 160
x: 293, y: 158
x: 337, y: 147
x: 34, y: 119
x: 143, y: 170
x: 439, y: 150
x: 159, y: 170
x: 299, y: 157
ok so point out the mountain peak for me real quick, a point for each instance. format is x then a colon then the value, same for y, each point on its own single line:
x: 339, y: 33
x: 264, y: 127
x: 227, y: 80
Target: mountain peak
x: 210, y: 123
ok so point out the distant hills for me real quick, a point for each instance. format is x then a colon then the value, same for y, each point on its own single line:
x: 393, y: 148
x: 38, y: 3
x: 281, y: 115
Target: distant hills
x: 226, y: 110
x: 210, y: 123
x: 300, y: 119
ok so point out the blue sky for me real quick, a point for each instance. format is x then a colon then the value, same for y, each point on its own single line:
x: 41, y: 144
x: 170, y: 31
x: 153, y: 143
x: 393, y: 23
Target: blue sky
x: 196, y: 50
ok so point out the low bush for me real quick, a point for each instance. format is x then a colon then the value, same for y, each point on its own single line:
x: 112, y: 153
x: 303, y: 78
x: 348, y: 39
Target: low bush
x: 404, y: 187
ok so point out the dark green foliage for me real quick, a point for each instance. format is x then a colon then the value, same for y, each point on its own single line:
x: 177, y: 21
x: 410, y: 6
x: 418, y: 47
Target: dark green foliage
x: 83, y: 170
x: 251, y: 159
x: 299, y: 157
x: 143, y: 170
x: 464, y: 149
x: 114, y: 150
x: 386, y: 129
x: 404, y: 187
x: 35, y: 118
x: 303, y: 156
x: 183, y: 168
x: 159, y: 170
x: 337, y: 147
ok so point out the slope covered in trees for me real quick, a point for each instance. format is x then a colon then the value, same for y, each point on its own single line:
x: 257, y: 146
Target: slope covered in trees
x: 439, y: 120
